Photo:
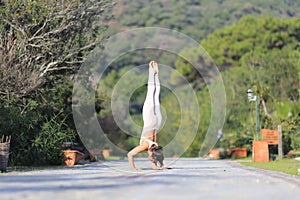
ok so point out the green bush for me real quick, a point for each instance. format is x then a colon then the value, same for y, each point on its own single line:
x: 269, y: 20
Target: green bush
x: 21, y: 126
x: 34, y: 140
x: 37, y: 121
x: 47, y: 145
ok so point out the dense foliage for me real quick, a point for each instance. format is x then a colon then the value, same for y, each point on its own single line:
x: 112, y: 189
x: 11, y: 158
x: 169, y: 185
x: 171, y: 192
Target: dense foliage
x: 43, y: 44
x: 258, y: 51
x: 262, y: 54
x: 197, y: 18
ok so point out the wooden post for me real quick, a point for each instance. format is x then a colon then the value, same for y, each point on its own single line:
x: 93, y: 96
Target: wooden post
x: 258, y: 116
x: 280, y: 153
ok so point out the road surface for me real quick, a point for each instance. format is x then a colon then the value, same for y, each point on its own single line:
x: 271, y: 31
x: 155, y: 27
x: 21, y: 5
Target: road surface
x: 188, y: 178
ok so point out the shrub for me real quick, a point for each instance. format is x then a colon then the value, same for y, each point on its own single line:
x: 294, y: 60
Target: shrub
x: 47, y: 145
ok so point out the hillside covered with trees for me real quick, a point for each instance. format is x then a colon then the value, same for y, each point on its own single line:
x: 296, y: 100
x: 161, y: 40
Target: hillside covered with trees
x: 255, y: 44
x: 196, y: 18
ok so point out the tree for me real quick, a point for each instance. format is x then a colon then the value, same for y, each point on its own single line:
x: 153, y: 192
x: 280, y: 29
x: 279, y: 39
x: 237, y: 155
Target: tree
x: 197, y: 18
x: 250, y: 34
x: 261, y: 53
x: 42, y: 45
x: 266, y: 61
x: 40, y: 40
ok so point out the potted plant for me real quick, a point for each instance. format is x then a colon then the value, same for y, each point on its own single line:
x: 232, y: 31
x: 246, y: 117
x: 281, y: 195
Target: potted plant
x: 106, y: 150
x: 240, y: 152
x: 71, y: 157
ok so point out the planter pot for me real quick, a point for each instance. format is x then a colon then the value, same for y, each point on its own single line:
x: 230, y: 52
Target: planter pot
x: 240, y: 152
x: 106, y: 153
x: 214, y: 154
x: 4, y: 155
x: 71, y: 157
x: 260, y: 152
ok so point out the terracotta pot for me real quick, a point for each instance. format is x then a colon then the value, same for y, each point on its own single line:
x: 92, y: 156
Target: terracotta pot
x: 106, y: 152
x: 260, y: 152
x: 240, y: 152
x: 71, y: 157
x: 214, y: 153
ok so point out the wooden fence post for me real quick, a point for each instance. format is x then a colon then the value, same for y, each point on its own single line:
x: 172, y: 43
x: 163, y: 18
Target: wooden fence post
x: 280, y: 153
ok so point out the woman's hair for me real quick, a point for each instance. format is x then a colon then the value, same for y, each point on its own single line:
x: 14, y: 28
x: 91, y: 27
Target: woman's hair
x: 157, y: 154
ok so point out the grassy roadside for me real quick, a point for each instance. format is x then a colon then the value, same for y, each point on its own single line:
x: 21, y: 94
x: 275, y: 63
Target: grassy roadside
x: 289, y: 166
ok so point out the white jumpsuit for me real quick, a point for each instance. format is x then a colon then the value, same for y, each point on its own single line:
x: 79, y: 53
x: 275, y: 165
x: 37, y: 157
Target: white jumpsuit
x: 151, y: 110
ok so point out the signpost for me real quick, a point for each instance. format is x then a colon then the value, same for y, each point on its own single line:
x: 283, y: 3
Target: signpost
x: 271, y: 136
x: 274, y: 137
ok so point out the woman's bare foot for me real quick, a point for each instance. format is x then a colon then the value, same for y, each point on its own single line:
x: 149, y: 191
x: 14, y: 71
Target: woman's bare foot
x: 137, y: 169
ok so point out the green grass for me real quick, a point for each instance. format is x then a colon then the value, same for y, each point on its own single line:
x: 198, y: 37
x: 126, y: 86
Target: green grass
x: 113, y: 158
x: 289, y: 166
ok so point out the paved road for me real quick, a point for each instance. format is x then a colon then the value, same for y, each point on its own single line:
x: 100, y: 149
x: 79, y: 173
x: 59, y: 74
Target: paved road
x: 189, y: 178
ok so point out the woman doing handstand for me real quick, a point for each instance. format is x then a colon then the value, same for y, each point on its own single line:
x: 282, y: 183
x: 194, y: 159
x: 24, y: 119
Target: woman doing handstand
x: 152, y: 118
